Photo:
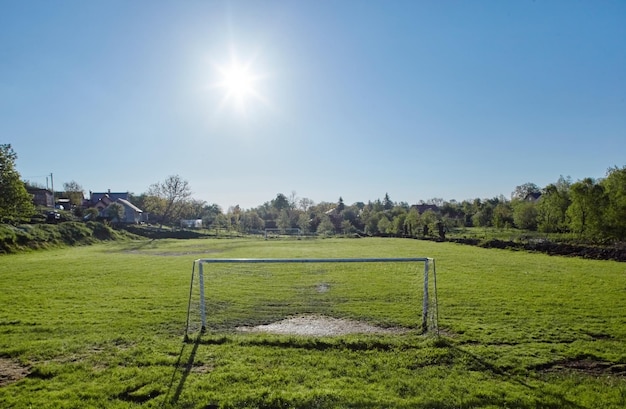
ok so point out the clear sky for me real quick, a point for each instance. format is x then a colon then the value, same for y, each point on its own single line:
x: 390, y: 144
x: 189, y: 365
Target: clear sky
x: 247, y: 99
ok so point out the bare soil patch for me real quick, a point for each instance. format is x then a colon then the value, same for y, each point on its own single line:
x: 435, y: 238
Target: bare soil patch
x: 317, y: 325
x: 11, y: 371
x: 587, y: 366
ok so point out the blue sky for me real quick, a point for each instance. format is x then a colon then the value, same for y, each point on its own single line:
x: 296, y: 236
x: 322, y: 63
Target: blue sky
x: 417, y: 99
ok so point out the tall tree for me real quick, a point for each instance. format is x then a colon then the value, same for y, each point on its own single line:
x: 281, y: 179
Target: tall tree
x: 340, y: 205
x: 412, y: 223
x: 503, y: 215
x: 615, y: 216
x: 588, y: 205
x: 281, y: 202
x: 387, y: 203
x: 15, y: 201
x: 170, y: 195
x: 521, y: 192
x: 74, y: 192
x: 552, y: 207
x: 525, y: 215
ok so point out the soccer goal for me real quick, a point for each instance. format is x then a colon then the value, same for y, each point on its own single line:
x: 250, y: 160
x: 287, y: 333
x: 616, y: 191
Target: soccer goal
x: 291, y: 232
x: 238, y: 295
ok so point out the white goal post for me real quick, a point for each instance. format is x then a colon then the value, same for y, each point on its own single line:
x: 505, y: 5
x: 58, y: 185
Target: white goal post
x: 271, y: 233
x: 275, y: 288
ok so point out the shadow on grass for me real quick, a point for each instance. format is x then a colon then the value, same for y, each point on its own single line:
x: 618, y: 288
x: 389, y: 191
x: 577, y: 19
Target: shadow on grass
x: 552, y: 400
x: 185, y: 369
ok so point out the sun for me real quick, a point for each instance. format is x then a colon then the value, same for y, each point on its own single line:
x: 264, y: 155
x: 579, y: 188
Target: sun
x: 239, y: 83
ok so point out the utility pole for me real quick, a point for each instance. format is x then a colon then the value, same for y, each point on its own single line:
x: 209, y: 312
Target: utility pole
x: 52, y: 185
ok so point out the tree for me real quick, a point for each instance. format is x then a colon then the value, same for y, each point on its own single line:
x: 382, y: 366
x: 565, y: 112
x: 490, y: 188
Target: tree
x: 387, y: 203
x: 429, y: 221
x: 192, y: 209
x: 284, y: 221
x: 15, y: 201
x: 552, y: 207
x: 615, y: 216
x: 305, y: 204
x: 484, y: 216
x: 252, y: 221
x: 325, y: 227
x: 521, y: 192
x: 281, y: 202
x: 384, y: 225
x: 115, y: 212
x: 347, y: 227
x: 412, y: 223
x: 170, y: 195
x: 304, y: 222
x: 503, y: 215
x: 340, y: 205
x: 587, y: 207
x: 74, y: 192
x: 525, y: 215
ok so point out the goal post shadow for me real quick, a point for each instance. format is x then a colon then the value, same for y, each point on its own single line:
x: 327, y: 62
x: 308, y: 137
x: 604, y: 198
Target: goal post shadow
x: 430, y: 308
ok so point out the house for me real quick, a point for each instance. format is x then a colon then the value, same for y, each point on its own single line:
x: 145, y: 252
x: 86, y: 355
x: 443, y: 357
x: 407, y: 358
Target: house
x: 532, y: 197
x: 41, y: 197
x: 102, y: 201
x: 95, y: 197
x: 132, y: 214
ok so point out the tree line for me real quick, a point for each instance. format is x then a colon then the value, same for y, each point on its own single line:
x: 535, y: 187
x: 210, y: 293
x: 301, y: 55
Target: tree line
x: 592, y: 209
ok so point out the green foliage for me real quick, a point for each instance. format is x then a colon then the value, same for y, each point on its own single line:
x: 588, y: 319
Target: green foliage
x: 615, y: 216
x: 15, y: 202
x: 167, y: 199
x: 552, y: 208
x: 587, y: 208
x: 525, y: 215
x: 15, y: 239
x: 115, y: 212
x: 101, y: 326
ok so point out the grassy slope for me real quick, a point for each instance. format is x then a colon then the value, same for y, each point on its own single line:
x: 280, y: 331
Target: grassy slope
x: 101, y: 326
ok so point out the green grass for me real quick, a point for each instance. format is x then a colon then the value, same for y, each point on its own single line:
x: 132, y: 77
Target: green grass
x: 102, y: 326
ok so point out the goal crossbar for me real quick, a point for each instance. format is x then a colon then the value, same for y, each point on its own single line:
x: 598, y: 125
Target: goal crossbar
x: 311, y: 260
x: 426, y: 260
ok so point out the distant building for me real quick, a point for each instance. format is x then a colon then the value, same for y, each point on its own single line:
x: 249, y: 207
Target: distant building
x: 191, y: 224
x: 101, y: 201
x: 95, y: 197
x: 532, y: 197
x: 41, y: 197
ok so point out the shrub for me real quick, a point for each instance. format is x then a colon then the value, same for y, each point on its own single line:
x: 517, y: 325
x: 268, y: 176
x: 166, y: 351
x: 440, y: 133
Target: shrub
x: 75, y: 233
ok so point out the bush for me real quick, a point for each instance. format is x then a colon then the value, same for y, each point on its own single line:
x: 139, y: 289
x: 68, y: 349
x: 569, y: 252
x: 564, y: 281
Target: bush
x: 101, y: 231
x: 75, y: 233
x: 45, y: 235
x: 8, y: 238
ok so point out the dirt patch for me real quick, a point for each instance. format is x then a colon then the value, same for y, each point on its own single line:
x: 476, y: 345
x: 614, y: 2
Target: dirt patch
x: 316, y: 325
x: 11, y: 371
x: 587, y: 366
x: 615, y: 252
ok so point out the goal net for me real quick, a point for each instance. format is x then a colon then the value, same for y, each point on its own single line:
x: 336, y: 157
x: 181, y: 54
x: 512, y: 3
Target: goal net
x: 229, y: 295
x: 291, y: 232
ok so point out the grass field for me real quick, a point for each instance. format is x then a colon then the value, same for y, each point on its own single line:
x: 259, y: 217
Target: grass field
x: 102, y: 326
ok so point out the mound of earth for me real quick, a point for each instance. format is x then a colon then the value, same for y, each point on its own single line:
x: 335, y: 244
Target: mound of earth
x: 315, y: 325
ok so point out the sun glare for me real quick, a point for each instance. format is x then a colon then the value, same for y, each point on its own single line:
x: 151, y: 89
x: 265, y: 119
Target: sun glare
x: 238, y: 82
x: 240, y: 85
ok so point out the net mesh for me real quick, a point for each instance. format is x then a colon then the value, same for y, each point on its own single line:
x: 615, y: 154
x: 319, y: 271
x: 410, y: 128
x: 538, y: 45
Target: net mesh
x: 382, y: 293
